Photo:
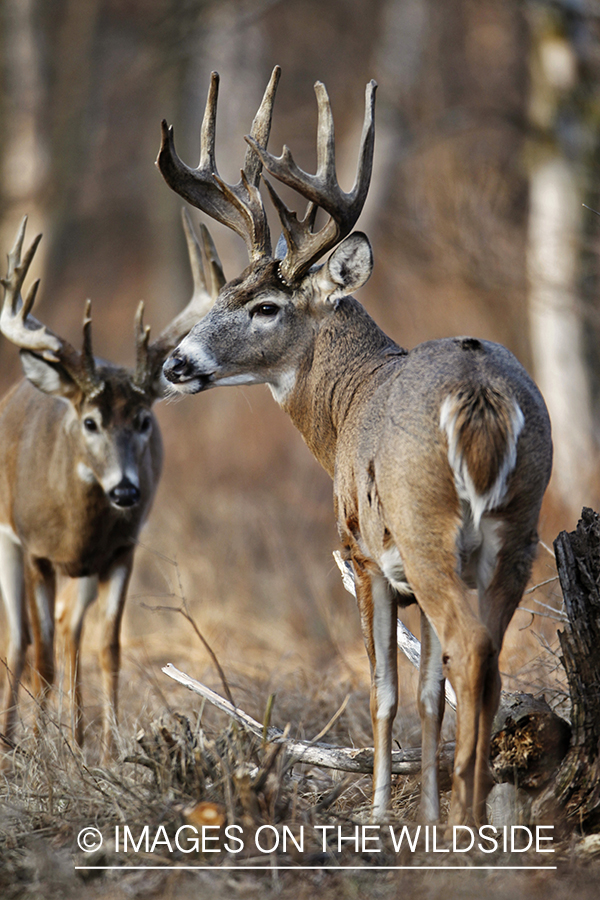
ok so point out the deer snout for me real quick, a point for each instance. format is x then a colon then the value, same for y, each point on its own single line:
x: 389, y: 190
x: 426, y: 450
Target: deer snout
x: 178, y: 367
x: 124, y: 494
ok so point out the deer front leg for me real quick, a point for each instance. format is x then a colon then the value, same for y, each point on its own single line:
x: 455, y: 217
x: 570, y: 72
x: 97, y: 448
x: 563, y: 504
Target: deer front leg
x: 113, y: 592
x: 377, y: 608
x: 431, y: 702
x: 40, y: 582
x: 13, y: 592
x: 72, y: 605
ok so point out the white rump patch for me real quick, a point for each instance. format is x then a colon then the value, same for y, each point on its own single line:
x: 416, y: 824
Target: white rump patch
x: 479, y: 503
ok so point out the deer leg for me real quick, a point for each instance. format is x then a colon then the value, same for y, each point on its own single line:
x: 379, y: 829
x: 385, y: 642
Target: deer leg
x: 466, y: 651
x: 378, y: 613
x: 13, y: 591
x: 500, y: 591
x: 113, y: 592
x: 431, y: 703
x: 72, y: 606
x: 40, y: 583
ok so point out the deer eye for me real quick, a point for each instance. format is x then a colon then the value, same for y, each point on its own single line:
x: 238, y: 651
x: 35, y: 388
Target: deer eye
x: 144, y: 424
x: 266, y: 309
x: 90, y: 425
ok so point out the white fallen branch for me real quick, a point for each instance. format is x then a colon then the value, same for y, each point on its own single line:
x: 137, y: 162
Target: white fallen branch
x: 346, y: 759
x: 408, y: 643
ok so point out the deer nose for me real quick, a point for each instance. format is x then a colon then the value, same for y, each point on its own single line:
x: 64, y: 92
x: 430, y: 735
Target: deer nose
x: 124, y: 494
x: 177, y: 368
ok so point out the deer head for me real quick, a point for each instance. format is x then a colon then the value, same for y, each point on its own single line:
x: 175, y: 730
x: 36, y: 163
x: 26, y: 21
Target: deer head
x: 110, y: 422
x: 261, y: 324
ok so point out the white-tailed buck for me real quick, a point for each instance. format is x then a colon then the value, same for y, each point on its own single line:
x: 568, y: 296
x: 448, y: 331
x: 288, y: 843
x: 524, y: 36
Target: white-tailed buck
x: 440, y: 455
x: 80, y: 460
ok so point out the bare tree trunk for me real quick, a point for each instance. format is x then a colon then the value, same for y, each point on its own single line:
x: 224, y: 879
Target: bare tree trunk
x: 24, y: 154
x: 553, y: 256
x: 575, y: 793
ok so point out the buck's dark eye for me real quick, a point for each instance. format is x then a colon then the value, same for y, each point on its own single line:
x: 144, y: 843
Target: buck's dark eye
x: 266, y: 309
x: 144, y: 424
x: 90, y: 425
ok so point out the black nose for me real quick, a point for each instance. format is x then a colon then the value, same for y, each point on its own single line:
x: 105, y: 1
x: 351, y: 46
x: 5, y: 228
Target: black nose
x: 177, y: 368
x: 124, y: 494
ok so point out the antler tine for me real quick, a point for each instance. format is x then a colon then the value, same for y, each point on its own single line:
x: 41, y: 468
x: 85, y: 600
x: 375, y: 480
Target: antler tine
x: 239, y: 206
x: 142, y: 372
x: 211, y: 262
x: 321, y: 189
x: 20, y: 327
x: 15, y: 322
x: 261, y: 129
x: 89, y: 379
x: 208, y: 278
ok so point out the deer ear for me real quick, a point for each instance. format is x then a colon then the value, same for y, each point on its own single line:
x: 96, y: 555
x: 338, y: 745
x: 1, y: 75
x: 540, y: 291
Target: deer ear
x: 348, y: 268
x: 49, y: 377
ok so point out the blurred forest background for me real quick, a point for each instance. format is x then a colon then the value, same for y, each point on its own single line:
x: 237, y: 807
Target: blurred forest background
x: 488, y: 144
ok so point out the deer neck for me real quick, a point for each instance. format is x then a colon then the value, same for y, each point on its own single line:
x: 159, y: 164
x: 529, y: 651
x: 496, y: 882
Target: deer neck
x: 348, y: 359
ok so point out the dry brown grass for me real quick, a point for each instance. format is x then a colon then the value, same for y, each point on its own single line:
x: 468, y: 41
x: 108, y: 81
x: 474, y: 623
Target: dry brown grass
x: 176, y: 754
x: 245, y: 533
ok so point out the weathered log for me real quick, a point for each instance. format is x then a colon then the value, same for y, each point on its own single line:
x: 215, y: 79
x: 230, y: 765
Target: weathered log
x: 574, y: 796
x: 345, y: 759
x: 529, y: 741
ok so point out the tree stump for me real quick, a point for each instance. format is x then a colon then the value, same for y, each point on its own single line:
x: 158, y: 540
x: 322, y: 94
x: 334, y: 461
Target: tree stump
x: 574, y: 796
x: 529, y: 741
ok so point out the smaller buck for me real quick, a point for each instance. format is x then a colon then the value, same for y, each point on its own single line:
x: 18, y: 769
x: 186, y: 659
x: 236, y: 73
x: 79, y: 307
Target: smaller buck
x: 440, y: 455
x: 80, y: 461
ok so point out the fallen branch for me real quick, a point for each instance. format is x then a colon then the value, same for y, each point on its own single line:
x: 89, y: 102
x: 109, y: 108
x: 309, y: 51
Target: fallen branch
x: 327, y: 756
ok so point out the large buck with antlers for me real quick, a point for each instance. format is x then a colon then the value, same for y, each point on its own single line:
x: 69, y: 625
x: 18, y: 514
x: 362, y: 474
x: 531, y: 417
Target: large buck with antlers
x: 440, y: 455
x: 80, y: 460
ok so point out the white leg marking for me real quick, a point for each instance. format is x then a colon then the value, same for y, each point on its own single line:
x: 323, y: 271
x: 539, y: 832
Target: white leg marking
x: 117, y: 582
x: 12, y: 584
x: 385, y: 674
x: 87, y: 591
x: 392, y: 566
x: 432, y: 677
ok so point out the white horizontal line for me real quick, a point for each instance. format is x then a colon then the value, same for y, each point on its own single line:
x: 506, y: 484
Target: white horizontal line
x: 333, y: 868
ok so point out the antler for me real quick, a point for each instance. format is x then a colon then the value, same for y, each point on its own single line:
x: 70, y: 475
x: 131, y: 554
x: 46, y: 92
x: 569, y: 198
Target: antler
x: 208, y: 279
x: 321, y: 190
x: 26, y: 332
x: 239, y: 206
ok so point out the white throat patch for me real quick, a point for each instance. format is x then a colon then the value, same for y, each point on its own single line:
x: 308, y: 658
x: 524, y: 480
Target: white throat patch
x: 284, y: 386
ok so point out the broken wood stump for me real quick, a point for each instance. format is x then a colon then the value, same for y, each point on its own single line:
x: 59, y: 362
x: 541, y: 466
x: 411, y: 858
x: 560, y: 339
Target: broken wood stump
x: 573, y: 798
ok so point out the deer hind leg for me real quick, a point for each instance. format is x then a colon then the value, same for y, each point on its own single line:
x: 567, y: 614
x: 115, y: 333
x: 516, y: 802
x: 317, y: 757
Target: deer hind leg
x: 431, y: 703
x: 501, y: 588
x: 72, y: 605
x: 113, y: 592
x: 13, y: 592
x: 40, y: 581
x: 467, y: 649
x: 378, y: 615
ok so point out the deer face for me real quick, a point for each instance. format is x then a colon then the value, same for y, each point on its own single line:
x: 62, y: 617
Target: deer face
x: 260, y: 329
x: 109, y: 427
